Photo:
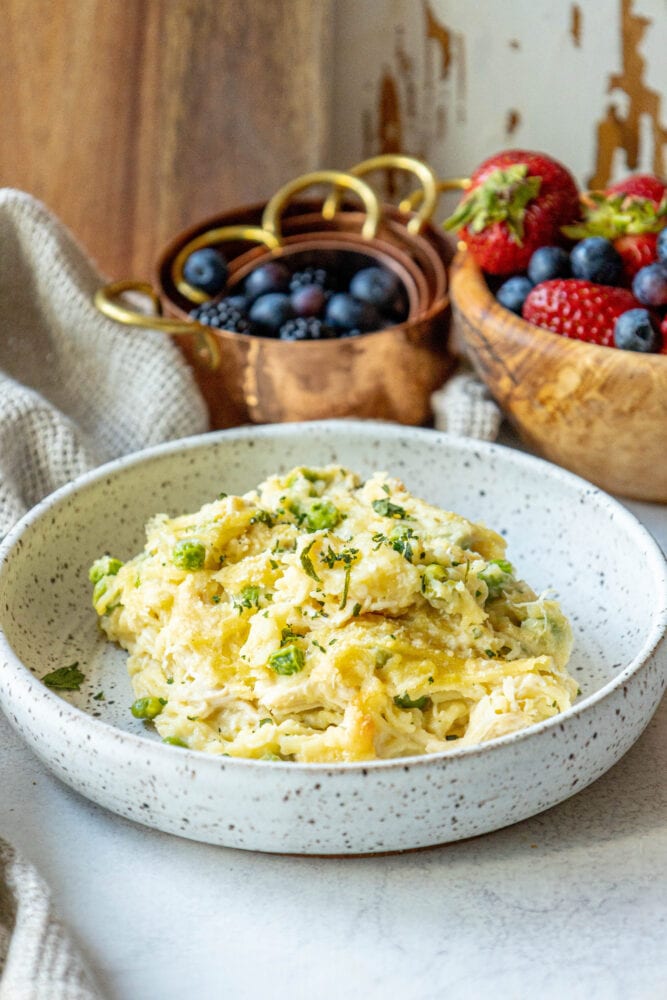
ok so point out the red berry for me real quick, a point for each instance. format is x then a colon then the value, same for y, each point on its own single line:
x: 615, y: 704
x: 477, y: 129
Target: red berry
x: 636, y: 252
x: 640, y: 186
x: 517, y: 201
x: 663, y: 330
x: 578, y: 309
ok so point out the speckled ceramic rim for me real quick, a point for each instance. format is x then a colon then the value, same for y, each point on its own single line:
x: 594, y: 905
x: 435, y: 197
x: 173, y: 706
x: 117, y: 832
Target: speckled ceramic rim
x: 103, y: 731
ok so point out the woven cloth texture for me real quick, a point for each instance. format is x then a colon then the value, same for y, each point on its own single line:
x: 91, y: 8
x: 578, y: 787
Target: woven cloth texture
x: 37, y: 958
x: 463, y: 406
x: 76, y: 388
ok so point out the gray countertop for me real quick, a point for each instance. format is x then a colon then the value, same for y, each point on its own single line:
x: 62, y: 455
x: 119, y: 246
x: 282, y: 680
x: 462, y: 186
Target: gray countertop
x: 571, y: 903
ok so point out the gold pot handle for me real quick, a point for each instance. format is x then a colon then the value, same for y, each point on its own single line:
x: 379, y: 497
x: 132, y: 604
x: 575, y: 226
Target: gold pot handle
x: 396, y: 161
x: 106, y: 300
x: 255, y: 234
x: 413, y: 200
x: 274, y: 208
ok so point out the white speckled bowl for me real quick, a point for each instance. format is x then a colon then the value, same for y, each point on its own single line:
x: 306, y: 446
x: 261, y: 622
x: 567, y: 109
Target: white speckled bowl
x: 562, y: 533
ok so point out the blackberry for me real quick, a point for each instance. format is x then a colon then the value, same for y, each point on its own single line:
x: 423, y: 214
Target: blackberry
x: 305, y: 328
x: 310, y: 276
x: 224, y: 314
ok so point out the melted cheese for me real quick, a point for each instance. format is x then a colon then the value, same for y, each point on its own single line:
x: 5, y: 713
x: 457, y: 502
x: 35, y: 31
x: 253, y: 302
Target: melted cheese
x: 331, y: 620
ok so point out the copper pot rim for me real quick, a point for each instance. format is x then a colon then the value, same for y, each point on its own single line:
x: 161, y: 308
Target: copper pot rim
x: 412, y: 279
x: 427, y: 252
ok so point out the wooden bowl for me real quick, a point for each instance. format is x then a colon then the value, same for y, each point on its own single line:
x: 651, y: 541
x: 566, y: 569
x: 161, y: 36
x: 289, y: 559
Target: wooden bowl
x: 598, y: 411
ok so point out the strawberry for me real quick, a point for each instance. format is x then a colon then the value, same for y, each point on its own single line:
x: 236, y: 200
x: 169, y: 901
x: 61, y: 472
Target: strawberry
x: 636, y: 252
x: 644, y: 186
x: 578, y: 309
x: 516, y: 202
x: 630, y: 214
x: 663, y: 330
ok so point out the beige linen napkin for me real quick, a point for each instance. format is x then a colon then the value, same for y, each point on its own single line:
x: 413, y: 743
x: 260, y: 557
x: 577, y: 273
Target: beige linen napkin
x: 463, y: 406
x: 76, y: 389
x: 37, y: 958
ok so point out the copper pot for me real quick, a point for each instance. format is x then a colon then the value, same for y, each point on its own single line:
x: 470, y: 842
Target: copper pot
x: 389, y: 374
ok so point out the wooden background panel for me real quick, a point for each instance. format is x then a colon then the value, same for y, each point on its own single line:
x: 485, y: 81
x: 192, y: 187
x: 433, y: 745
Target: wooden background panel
x: 133, y: 119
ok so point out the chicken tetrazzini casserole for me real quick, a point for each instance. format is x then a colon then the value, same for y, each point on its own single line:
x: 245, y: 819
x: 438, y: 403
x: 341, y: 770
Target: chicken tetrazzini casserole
x: 323, y: 618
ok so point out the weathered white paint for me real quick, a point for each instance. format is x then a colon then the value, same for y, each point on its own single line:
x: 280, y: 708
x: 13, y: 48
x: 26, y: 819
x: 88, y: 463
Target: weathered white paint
x: 519, y: 55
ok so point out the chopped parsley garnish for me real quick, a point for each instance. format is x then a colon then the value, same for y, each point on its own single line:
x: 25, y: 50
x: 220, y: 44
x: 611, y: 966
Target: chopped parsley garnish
x: 265, y: 722
x: 346, y: 587
x: 400, y: 541
x: 287, y: 660
x: 247, y: 598
x: 99, y: 696
x: 355, y: 610
x: 221, y: 496
x: 317, y: 646
x: 405, y: 701
x: 451, y: 736
x: 65, y: 678
x: 388, y: 509
x: 262, y: 517
x: 288, y: 633
x: 216, y: 598
x: 307, y: 563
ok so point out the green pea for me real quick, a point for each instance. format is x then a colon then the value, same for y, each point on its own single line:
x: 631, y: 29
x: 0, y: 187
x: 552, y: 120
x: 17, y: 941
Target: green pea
x: 288, y: 660
x: 105, y: 566
x: 322, y: 515
x: 189, y: 554
x: 147, y: 708
x: 175, y: 741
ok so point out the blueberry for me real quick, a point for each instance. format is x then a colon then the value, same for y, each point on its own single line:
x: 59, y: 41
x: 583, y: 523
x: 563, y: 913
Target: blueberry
x: 207, y: 270
x: 661, y: 246
x: 378, y: 286
x: 548, y: 263
x: 636, y: 330
x: 269, y: 312
x: 308, y: 300
x: 649, y: 285
x: 347, y: 313
x: 596, y: 259
x: 271, y: 277
x: 512, y: 293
